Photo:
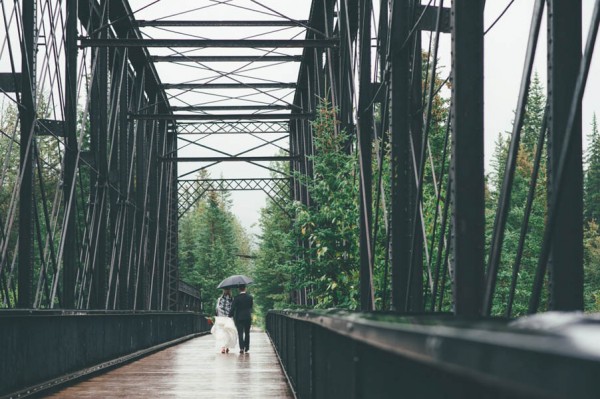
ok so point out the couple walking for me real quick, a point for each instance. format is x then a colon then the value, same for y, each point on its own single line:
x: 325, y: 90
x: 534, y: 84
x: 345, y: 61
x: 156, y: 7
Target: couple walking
x: 238, y: 308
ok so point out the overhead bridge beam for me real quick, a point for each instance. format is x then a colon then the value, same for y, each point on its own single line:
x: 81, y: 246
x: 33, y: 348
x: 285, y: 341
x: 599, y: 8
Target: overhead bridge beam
x: 212, y: 86
x: 226, y: 58
x: 229, y: 159
x: 205, y: 108
x: 198, y: 24
x: 230, y: 43
x: 226, y: 117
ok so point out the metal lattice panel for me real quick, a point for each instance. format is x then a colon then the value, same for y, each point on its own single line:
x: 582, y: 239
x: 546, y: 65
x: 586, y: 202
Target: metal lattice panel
x: 191, y: 191
x: 233, y: 127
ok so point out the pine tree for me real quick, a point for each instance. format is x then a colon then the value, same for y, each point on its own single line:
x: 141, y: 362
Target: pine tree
x: 522, y: 180
x: 210, y: 241
x: 592, y: 176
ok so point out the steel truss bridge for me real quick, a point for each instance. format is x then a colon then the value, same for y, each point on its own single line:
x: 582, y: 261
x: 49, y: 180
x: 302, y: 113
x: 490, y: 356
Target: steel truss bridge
x: 111, y: 112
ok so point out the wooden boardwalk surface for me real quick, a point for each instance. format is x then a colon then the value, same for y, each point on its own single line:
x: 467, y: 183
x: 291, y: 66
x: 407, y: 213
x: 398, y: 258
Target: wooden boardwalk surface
x: 193, y: 369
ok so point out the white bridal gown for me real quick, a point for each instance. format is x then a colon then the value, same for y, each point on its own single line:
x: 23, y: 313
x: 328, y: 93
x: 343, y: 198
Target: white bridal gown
x: 225, y: 333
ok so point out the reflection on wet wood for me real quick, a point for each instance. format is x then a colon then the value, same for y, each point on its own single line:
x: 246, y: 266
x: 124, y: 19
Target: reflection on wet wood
x: 193, y: 369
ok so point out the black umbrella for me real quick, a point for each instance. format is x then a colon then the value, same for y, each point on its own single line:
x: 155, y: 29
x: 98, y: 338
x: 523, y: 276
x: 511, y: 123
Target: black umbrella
x: 234, y: 281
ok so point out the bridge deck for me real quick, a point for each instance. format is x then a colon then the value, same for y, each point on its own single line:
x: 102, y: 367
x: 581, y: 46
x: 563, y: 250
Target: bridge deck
x: 192, y: 369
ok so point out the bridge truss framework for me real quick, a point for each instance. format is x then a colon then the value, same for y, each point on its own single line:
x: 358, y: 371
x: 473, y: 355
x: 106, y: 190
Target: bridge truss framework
x: 107, y: 239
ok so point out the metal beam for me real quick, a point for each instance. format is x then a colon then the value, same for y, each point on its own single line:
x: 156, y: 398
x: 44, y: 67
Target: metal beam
x: 226, y: 117
x: 429, y: 18
x: 50, y: 127
x: 226, y: 58
x: 10, y: 82
x: 229, y: 23
x: 223, y: 127
x: 212, y: 86
x: 27, y: 121
x: 204, y: 43
x: 228, y: 159
x: 564, y: 56
x: 365, y: 134
x: 400, y: 158
x: 231, y: 108
x: 467, y: 194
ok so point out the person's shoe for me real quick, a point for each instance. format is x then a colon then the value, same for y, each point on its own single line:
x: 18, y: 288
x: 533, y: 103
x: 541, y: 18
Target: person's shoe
x: 222, y: 350
x: 241, y: 351
x: 246, y: 350
x: 227, y: 350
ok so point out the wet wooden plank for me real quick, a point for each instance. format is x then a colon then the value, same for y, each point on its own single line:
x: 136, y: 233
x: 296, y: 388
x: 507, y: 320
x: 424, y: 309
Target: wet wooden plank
x: 193, y: 369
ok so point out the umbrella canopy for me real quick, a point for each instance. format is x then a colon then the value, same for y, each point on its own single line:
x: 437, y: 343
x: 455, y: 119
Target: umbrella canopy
x: 234, y: 281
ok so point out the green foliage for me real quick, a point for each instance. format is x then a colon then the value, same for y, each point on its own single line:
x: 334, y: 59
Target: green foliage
x: 592, y: 177
x: 329, y: 228
x: 211, y: 240
x: 524, y: 167
x: 47, y: 156
x: 273, y: 270
x: 591, y: 251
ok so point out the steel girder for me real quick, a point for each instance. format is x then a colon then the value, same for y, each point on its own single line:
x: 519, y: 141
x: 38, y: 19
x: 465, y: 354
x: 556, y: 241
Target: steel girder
x: 132, y: 195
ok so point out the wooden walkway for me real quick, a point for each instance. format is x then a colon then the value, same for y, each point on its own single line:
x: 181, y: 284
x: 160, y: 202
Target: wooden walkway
x: 193, y: 369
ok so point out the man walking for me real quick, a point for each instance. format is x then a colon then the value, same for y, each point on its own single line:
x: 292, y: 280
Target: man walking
x: 241, y: 311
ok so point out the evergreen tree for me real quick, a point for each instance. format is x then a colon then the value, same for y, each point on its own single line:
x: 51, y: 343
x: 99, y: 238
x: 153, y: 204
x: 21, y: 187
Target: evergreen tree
x: 520, y: 188
x: 274, y: 260
x: 592, y: 176
x: 211, y: 240
x: 328, y: 265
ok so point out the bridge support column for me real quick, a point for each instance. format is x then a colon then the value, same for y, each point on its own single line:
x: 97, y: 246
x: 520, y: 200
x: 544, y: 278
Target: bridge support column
x: 69, y: 239
x: 27, y: 116
x: 564, y: 55
x: 400, y: 162
x: 466, y: 170
x: 365, y: 138
x: 99, y: 178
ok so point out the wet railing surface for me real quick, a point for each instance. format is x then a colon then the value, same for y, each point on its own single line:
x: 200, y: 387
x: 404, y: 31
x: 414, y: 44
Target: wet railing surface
x: 356, y: 355
x: 193, y: 369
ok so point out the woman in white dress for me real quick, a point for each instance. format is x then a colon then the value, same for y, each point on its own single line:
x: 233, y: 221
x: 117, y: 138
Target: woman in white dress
x: 224, y: 328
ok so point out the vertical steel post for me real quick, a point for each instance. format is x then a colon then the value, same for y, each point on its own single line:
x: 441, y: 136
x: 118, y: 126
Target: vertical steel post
x: 163, y: 219
x: 115, y: 214
x: 564, y: 56
x: 400, y: 161
x: 173, y: 227
x: 467, y: 192
x: 27, y: 120
x: 124, y: 173
x: 365, y: 136
x: 152, y: 208
x: 98, y: 143
x: 140, y: 299
x: 415, y: 298
x: 70, y: 161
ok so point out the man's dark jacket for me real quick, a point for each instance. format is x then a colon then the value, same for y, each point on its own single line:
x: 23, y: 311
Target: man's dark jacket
x: 241, y: 308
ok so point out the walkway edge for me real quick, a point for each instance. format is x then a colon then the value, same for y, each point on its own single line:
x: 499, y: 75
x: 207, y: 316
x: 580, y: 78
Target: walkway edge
x: 60, y: 382
x: 287, y: 377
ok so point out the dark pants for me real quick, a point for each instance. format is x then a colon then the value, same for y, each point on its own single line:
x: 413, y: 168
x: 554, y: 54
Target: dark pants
x: 243, y: 328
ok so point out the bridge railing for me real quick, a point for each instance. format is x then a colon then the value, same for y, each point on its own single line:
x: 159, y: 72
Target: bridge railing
x: 42, y: 349
x: 189, y: 298
x: 334, y: 354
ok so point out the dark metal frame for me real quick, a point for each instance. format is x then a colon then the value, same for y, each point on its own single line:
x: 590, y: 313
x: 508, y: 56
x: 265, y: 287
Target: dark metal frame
x: 117, y: 241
